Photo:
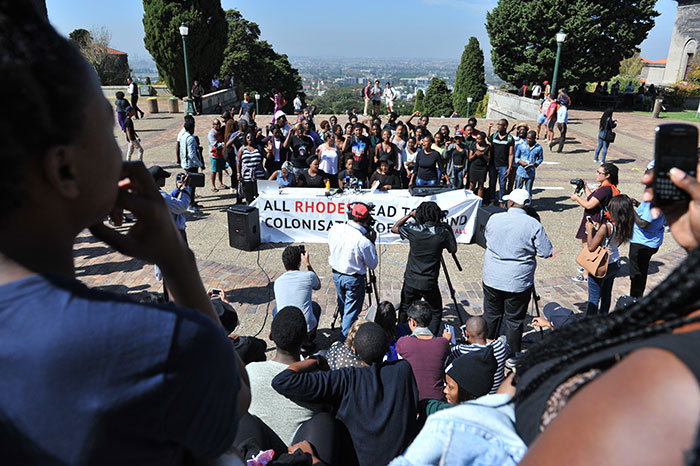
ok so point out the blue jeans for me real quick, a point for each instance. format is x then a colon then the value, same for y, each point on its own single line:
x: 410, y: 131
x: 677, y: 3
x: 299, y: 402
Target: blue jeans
x: 526, y: 183
x: 600, y: 290
x: 351, y: 294
x: 422, y: 182
x: 601, y: 145
x: 502, y: 182
x: 457, y: 177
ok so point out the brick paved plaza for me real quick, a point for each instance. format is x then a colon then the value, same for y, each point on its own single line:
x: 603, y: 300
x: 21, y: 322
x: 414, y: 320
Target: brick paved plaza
x: 244, y: 275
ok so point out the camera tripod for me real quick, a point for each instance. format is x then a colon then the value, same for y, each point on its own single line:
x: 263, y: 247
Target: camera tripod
x: 449, y: 284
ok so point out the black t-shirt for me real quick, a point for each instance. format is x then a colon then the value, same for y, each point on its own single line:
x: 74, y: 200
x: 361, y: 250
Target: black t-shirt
x: 479, y: 161
x: 360, y: 148
x: 428, y: 164
x: 427, y: 242
x: 317, y: 181
x: 302, y: 148
x: 129, y: 128
x: 501, y: 149
x: 392, y: 179
x: 459, y: 156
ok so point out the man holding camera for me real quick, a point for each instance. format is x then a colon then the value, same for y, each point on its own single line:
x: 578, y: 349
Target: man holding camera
x: 513, y: 241
x: 352, y: 251
x: 294, y: 287
x: 428, y: 236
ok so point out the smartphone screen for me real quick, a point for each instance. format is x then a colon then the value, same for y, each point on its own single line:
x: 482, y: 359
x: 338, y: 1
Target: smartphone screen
x: 676, y: 146
x: 451, y: 329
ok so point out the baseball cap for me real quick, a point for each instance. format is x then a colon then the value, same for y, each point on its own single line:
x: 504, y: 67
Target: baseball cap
x: 519, y: 196
x: 359, y: 211
x: 280, y: 113
x: 545, y: 82
x: 157, y: 171
x: 558, y: 315
x: 474, y: 371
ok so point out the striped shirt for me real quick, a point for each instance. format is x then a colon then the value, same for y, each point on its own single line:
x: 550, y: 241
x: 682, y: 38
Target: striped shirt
x: 251, y: 164
x: 500, y: 352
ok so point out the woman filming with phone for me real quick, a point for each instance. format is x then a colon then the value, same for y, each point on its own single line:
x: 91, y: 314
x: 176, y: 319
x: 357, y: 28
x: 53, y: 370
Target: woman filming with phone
x: 611, y: 233
x: 596, y: 201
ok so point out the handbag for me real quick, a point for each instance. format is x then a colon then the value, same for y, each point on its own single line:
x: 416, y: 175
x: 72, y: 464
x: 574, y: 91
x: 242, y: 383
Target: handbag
x: 609, y: 136
x: 594, y: 262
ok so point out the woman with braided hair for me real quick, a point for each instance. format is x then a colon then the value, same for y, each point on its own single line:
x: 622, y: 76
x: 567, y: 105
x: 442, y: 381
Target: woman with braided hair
x: 622, y: 388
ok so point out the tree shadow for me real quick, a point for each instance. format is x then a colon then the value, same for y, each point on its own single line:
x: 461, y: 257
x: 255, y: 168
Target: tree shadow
x: 107, y: 268
x: 91, y: 251
x: 137, y: 292
x: 579, y: 151
x: 153, y: 130
x: 621, y: 161
x: 654, y: 267
x: 552, y: 204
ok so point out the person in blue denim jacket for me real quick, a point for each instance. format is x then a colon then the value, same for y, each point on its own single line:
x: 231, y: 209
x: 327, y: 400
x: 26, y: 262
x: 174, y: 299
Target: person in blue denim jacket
x: 527, y: 158
x: 479, y: 432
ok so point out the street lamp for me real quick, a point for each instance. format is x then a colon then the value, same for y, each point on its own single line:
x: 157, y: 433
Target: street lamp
x: 257, y: 99
x: 561, y: 37
x: 184, y: 30
x: 469, y: 104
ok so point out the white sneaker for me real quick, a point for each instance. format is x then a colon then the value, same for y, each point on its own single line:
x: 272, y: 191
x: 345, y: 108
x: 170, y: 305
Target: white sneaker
x: 194, y: 210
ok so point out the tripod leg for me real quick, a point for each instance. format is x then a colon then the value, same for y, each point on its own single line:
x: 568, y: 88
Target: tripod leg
x: 452, y: 290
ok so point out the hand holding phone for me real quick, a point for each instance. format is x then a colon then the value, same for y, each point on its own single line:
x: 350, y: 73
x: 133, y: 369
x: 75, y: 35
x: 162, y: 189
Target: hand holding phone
x: 676, y: 146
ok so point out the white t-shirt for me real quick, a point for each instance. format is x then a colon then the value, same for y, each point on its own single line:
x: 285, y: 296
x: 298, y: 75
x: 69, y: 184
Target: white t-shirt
x: 389, y: 94
x: 536, y: 91
x: 297, y: 104
x: 562, y: 114
x: 329, y: 161
x: 350, y: 251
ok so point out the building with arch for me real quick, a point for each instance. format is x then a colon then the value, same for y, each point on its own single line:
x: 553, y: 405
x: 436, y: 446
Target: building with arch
x: 684, y: 41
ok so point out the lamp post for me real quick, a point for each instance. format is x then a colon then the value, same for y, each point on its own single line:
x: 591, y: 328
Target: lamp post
x: 184, y: 30
x: 561, y: 37
x: 257, y: 99
x: 469, y: 104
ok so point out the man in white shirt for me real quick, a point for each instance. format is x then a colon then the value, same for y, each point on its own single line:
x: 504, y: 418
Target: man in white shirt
x: 536, y: 91
x: 133, y: 91
x: 352, y: 251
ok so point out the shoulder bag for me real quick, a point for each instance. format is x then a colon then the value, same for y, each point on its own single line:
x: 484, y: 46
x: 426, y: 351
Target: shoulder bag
x: 595, y: 262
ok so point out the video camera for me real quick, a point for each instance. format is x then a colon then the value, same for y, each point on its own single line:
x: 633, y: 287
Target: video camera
x: 196, y: 179
x: 579, y: 183
x: 369, y: 221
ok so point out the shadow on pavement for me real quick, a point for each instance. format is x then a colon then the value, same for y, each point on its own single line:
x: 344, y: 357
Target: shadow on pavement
x: 552, y: 204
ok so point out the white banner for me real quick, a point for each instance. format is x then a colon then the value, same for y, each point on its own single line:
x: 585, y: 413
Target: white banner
x: 306, y: 214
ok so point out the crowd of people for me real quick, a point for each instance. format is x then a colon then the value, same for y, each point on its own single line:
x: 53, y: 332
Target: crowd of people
x: 92, y: 377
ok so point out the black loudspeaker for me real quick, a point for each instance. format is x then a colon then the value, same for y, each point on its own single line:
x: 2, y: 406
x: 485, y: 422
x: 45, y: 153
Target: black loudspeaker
x: 243, y: 227
x: 482, y: 218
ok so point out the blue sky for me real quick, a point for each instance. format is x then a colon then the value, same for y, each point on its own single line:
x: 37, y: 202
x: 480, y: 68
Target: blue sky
x: 364, y: 28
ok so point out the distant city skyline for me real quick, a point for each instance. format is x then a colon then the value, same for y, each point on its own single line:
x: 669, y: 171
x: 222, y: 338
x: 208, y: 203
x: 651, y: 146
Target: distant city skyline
x: 417, y: 29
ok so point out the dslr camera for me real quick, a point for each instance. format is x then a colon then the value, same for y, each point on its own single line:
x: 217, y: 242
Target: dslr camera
x: 579, y: 183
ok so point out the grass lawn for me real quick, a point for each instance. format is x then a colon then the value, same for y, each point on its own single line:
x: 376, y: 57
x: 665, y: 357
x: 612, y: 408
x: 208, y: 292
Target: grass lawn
x: 685, y: 115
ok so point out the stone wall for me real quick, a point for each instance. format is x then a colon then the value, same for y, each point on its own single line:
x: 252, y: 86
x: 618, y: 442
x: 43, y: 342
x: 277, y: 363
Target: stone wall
x: 684, y: 41
x: 511, y: 107
x: 110, y: 91
x: 227, y: 97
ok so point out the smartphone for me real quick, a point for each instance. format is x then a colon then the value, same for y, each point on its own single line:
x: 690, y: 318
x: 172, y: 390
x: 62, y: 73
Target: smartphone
x: 676, y: 146
x: 217, y: 291
x: 302, y: 249
x: 588, y: 219
x: 451, y: 329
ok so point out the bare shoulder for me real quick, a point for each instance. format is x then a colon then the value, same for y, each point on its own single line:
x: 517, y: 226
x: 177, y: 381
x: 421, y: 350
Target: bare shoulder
x: 645, y: 410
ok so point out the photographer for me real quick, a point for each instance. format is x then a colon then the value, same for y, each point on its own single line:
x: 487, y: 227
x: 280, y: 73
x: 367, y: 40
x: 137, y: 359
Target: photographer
x: 596, y: 201
x: 294, y: 287
x: 428, y: 236
x: 513, y: 241
x: 352, y: 251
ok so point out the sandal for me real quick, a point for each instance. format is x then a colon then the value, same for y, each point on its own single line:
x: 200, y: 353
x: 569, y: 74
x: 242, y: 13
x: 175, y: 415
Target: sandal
x: 223, y: 186
x: 214, y: 190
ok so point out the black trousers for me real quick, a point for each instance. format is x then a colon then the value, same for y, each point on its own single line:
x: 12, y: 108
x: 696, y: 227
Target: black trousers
x: 562, y: 135
x: 432, y: 296
x: 640, y: 256
x: 134, y: 101
x: 504, y: 313
x: 250, y: 190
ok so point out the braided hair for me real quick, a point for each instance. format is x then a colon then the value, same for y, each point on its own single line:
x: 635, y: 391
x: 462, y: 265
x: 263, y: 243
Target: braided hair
x: 40, y: 70
x: 664, y: 309
x: 428, y: 212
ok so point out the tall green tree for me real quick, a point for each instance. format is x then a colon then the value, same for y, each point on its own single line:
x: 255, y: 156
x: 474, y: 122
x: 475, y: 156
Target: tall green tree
x: 255, y: 65
x: 600, y: 33
x: 419, y: 106
x: 470, y: 80
x: 338, y: 100
x: 438, y: 99
x: 206, y: 40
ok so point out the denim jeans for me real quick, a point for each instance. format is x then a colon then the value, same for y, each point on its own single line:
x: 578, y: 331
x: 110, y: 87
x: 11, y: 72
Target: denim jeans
x: 526, y: 183
x: 422, y: 182
x: 600, y: 291
x: 601, y: 145
x: 457, y: 177
x: 474, y: 433
x: 502, y: 183
x: 350, y: 290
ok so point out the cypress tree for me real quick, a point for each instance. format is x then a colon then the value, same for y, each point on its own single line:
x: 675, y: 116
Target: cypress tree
x: 470, y: 81
x: 438, y: 99
x: 419, y: 106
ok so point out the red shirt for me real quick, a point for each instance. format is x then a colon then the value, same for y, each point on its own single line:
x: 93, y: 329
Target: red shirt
x: 427, y: 358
